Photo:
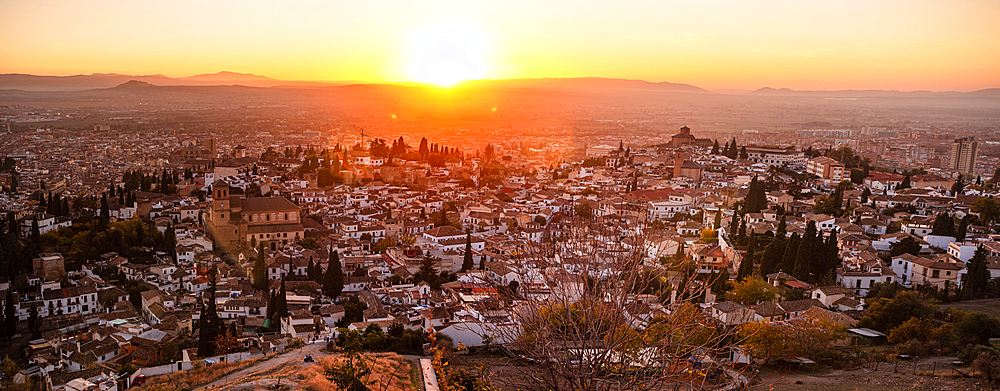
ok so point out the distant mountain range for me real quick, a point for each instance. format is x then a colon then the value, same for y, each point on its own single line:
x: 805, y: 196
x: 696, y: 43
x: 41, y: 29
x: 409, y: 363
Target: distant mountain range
x: 16, y: 81
x: 95, y: 81
x: 846, y: 94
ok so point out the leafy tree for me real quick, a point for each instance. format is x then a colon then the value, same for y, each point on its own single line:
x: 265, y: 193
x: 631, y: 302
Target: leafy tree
x: 976, y: 328
x: 906, y: 245
x: 987, y: 208
x: 751, y: 291
x: 944, y: 225
x: 796, y: 337
x: 915, y: 329
x: 886, y: 314
x: 583, y: 209
x: 857, y: 176
x: 325, y: 177
x: 354, y: 373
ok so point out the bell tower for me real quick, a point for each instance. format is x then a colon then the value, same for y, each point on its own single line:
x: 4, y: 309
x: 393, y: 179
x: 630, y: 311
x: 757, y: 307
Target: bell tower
x: 220, y: 201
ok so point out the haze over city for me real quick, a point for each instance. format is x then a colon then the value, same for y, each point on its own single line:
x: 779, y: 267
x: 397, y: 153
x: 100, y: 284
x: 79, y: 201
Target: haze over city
x: 485, y: 196
x: 893, y: 45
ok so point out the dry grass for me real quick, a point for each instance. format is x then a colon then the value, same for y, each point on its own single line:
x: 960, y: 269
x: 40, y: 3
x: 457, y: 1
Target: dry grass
x: 390, y: 372
x: 194, y: 378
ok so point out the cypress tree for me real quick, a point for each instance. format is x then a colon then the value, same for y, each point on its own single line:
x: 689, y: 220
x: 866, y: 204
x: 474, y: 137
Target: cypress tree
x: 782, y: 229
x: 282, y: 302
x: 443, y: 218
x: 259, y: 272
x: 209, y: 323
x: 272, y: 296
x: 3, y: 325
x: 310, y: 270
x: 105, y: 213
x: 10, y: 315
x: 803, y: 258
x: 746, y: 266
x: 734, y: 228
x: 333, y: 280
x: 55, y: 206
x: 976, y: 282
x: 720, y: 282
x: 170, y: 242
x: 741, y: 238
x: 771, y: 260
x: 963, y: 228
x: 36, y: 236
x: 788, y: 256
x: 467, y: 263
x: 34, y: 325
x: 715, y: 147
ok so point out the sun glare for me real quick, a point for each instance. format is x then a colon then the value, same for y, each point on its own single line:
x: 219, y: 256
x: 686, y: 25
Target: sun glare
x: 447, y: 53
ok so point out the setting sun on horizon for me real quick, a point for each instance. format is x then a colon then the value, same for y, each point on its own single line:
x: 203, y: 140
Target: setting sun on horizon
x: 910, y: 45
x: 447, y: 53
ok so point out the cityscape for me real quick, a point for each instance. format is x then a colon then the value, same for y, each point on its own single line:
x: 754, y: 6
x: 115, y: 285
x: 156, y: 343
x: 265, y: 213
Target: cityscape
x: 479, y: 222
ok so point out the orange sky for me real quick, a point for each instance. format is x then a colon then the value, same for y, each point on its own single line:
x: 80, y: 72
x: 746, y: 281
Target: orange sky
x: 836, y: 44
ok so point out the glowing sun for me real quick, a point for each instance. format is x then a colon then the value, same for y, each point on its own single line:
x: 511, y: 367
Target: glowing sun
x: 447, y: 53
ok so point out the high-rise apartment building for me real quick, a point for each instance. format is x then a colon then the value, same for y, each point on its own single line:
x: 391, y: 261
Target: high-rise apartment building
x: 963, y: 155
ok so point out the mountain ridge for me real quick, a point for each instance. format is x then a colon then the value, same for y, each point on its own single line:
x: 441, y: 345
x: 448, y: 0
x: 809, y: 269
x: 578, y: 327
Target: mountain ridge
x: 93, y: 81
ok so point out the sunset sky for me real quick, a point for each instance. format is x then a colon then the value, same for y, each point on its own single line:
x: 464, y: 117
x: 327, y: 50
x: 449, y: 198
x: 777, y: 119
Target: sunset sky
x: 840, y: 44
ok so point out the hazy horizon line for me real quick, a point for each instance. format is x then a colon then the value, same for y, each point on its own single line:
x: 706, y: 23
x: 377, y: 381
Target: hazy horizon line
x: 346, y: 82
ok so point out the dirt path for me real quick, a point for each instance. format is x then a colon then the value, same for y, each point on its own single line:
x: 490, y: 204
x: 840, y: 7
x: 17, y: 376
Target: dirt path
x: 887, y: 377
x: 293, y: 357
